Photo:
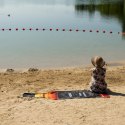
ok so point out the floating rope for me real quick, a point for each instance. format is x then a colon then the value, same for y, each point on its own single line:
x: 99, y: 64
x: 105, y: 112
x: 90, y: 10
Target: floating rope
x: 50, y: 29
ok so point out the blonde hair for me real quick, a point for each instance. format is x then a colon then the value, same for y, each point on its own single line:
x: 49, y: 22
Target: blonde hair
x: 98, y: 61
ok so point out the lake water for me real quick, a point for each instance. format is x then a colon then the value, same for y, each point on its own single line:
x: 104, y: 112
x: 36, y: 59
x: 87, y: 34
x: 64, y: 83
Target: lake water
x: 47, y: 49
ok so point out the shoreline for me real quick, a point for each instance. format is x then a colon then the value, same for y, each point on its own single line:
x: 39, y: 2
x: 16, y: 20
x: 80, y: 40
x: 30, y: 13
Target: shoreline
x: 110, y: 65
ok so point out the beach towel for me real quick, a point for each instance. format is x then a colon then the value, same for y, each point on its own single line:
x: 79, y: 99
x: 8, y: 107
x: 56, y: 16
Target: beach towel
x: 74, y: 94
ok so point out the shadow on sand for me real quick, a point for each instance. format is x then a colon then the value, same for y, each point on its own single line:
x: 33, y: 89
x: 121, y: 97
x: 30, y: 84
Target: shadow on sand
x: 115, y: 93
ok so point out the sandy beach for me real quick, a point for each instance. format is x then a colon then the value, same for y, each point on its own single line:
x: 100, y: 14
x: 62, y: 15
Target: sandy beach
x: 49, y: 45
x: 15, y: 110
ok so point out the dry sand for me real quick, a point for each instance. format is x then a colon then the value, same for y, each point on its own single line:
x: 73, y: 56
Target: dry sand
x: 92, y: 111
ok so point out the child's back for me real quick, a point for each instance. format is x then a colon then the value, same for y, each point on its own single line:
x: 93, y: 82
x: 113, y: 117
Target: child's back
x: 98, y: 84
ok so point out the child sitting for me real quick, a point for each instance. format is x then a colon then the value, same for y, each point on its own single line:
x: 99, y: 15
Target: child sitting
x: 98, y: 84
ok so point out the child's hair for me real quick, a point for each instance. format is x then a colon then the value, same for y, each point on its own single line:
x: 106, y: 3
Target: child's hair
x: 98, y: 61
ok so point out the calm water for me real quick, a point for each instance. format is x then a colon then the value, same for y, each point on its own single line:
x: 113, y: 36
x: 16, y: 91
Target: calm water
x: 20, y: 49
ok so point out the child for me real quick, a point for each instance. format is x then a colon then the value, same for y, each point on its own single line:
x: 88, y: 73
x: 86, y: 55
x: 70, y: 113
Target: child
x: 98, y: 84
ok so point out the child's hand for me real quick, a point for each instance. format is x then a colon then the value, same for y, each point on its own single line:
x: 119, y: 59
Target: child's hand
x: 91, y: 69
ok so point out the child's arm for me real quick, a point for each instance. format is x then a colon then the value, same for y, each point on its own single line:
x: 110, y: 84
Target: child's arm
x: 91, y: 70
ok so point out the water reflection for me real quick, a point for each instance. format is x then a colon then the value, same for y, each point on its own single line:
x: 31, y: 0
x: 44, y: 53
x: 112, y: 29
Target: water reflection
x: 57, y: 49
x: 38, y: 2
x: 107, y: 9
